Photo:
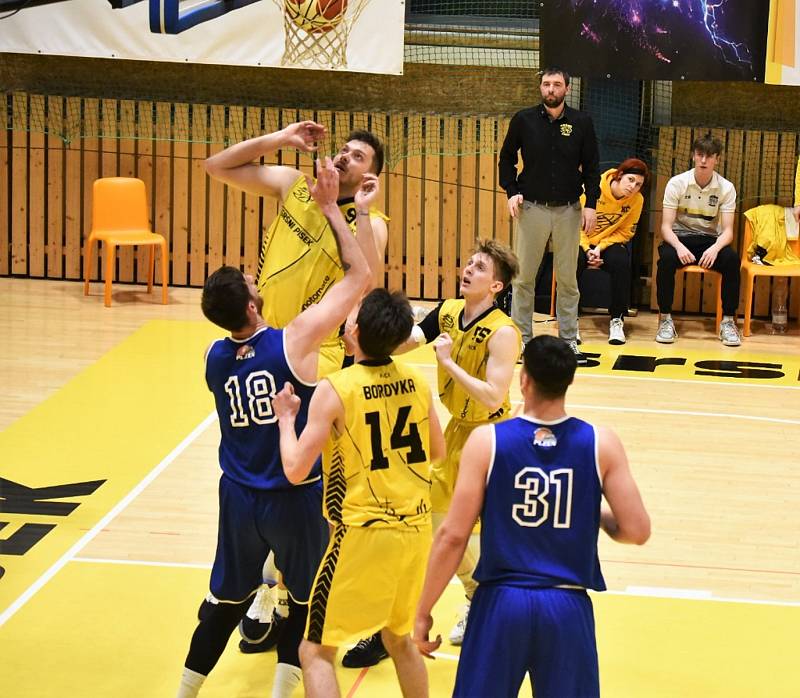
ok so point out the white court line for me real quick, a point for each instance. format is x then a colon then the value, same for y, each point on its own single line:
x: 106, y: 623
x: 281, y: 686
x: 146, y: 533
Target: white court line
x: 100, y: 525
x: 651, y: 592
x: 144, y: 563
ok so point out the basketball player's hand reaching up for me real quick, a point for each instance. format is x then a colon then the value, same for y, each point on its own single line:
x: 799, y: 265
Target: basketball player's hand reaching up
x: 367, y: 192
x: 286, y: 404
x: 326, y: 189
x: 304, y: 136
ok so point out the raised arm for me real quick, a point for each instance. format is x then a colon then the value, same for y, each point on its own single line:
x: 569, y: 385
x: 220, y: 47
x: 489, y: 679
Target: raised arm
x: 236, y: 165
x: 503, y: 353
x: 298, y: 455
x: 371, y: 232
x: 452, y: 536
x: 305, y: 333
x: 627, y: 520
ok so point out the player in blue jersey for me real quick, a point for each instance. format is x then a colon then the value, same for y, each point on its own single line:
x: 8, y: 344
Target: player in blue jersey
x: 537, y: 482
x: 260, y: 510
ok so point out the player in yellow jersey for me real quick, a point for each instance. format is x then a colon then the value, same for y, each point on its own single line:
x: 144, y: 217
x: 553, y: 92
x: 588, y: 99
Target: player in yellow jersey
x: 378, y: 427
x: 477, y: 346
x: 299, y: 260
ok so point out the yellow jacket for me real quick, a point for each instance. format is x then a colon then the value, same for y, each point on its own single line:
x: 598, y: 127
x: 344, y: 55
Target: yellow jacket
x: 616, y: 218
x: 768, y: 222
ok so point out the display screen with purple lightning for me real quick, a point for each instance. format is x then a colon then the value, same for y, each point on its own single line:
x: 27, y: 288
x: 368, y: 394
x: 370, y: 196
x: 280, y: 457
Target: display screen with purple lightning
x: 657, y: 39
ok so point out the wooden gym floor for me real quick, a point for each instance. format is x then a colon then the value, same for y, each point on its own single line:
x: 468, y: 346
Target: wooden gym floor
x: 101, y: 577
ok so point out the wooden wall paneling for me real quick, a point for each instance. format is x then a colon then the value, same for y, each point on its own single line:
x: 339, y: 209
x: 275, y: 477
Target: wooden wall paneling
x: 234, y: 198
x: 37, y: 196
x: 413, y: 250
x: 180, y: 197
x: 751, y: 188
x: 787, y: 166
x: 486, y: 176
x: 271, y: 205
x: 19, y: 186
x: 126, y: 167
x: 338, y: 130
x: 305, y: 161
x: 144, y: 169
x: 73, y: 235
x: 395, y: 208
x: 90, y: 158
x: 109, y: 157
x: 663, y: 164
x: 502, y: 222
x: 252, y: 204
x: 432, y: 213
x: 5, y: 180
x: 217, y: 233
x: 198, y: 195
x: 55, y: 191
x: 450, y: 218
x: 162, y: 179
x: 468, y: 191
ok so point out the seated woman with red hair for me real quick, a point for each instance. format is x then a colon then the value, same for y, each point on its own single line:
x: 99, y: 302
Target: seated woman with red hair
x: 618, y: 211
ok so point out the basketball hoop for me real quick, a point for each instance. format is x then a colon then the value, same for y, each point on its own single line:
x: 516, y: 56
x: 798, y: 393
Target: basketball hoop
x: 316, y: 31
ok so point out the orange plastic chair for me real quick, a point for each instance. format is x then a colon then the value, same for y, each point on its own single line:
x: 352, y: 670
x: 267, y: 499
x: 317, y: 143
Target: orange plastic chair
x: 119, y: 217
x: 751, y: 271
x: 697, y: 269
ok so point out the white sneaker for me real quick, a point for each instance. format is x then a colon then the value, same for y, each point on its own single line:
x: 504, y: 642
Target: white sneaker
x: 578, y: 340
x: 262, y: 606
x: 729, y: 334
x: 457, y: 633
x: 616, y: 331
x: 666, y: 332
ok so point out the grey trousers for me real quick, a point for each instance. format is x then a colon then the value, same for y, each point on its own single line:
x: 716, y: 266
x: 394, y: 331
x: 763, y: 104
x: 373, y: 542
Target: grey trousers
x: 535, y: 226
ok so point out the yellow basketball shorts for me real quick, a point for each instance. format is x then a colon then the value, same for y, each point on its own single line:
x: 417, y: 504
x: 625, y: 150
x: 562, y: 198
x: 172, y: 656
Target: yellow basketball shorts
x: 370, y: 578
x: 445, y: 473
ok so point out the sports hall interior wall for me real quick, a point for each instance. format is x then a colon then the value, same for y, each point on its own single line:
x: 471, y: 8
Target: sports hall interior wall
x: 439, y: 200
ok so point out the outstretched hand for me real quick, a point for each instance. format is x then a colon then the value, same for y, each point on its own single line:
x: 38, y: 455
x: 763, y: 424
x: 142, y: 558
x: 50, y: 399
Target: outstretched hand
x: 286, y: 403
x: 304, y: 135
x: 325, y: 190
x: 367, y: 192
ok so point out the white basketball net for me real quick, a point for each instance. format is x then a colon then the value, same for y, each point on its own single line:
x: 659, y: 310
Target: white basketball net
x: 324, y: 49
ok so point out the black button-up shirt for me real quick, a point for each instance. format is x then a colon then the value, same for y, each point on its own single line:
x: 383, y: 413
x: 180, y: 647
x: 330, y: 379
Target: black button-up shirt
x: 560, y: 159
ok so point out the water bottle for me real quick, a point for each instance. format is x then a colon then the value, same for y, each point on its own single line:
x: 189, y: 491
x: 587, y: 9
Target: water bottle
x: 780, y: 316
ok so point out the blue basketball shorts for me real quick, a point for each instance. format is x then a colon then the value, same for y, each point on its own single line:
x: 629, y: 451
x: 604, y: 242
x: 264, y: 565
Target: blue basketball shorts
x: 253, y: 523
x: 546, y: 633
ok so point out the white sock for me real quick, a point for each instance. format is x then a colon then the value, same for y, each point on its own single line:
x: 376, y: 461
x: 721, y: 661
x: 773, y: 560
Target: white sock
x: 287, y: 678
x: 281, y: 601
x: 190, y: 684
x: 725, y: 318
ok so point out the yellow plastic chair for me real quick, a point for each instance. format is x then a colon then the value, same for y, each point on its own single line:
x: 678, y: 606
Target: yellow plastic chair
x: 119, y: 217
x: 717, y: 276
x: 751, y: 271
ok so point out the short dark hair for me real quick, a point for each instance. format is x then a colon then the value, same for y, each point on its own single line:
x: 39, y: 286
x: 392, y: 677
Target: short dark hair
x: 506, y: 264
x: 373, y: 142
x: 551, y: 364
x: 707, y: 145
x: 555, y: 70
x: 384, y: 322
x: 225, y: 298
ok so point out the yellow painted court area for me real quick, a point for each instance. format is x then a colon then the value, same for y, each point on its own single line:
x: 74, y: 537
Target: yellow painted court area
x: 100, y: 628
x: 114, y: 422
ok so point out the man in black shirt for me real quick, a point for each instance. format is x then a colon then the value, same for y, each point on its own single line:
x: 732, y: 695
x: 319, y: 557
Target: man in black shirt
x: 560, y: 161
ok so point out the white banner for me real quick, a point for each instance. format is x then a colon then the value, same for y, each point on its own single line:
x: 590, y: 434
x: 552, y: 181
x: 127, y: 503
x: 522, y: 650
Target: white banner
x: 353, y: 35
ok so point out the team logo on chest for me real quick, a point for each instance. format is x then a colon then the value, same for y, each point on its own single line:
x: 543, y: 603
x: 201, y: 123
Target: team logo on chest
x: 245, y: 352
x: 566, y: 129
x: 544, y: 438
